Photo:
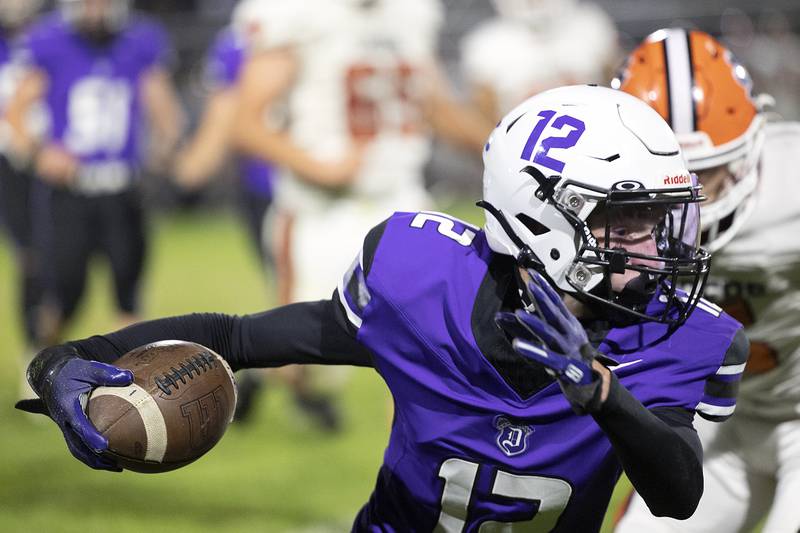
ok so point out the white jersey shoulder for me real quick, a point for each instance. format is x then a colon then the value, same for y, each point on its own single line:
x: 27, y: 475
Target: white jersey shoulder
x: 759, y: 274
x: 770, y: 234
x: 516, y: 60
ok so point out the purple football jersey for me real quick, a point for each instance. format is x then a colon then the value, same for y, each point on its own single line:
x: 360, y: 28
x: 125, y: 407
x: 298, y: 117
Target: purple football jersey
x: 93, y: 95
x: 467, y: 451
x: 224, y: 64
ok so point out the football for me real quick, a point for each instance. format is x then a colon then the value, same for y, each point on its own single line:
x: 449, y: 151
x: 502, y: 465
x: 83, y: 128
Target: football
x: 181, y: 401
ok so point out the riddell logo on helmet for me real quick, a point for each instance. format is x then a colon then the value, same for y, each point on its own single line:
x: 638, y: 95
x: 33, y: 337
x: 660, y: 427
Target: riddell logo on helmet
x: 682, y: 179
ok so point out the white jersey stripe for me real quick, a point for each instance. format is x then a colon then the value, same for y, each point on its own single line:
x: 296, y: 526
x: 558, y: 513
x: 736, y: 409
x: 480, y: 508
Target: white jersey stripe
x: 154, y: 426
x: 680, y: 81
x: 715, y: 410
x: 729, y: 370
x: 351, y: 315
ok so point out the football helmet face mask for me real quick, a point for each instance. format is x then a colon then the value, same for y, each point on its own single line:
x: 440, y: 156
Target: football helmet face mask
x: 568, y: 153
x: 16, y: 13
x: 700, y: 89
x: 97, y: 19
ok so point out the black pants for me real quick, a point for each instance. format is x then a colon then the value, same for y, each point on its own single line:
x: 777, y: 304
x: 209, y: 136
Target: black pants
x: 253, y: 208
x: 16, y: 204
x: 78, y: 226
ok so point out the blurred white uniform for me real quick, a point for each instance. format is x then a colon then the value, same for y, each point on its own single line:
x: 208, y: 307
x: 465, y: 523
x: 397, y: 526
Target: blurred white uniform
x: 517, y: 57
x: 752, y: 461
x: 362, y: 75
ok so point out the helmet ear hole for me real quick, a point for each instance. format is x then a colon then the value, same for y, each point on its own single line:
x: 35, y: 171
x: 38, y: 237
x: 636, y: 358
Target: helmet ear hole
x: 534, y: 226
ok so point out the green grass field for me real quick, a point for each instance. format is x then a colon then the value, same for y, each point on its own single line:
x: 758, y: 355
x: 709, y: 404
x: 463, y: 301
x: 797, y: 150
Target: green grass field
x: 278, y: 473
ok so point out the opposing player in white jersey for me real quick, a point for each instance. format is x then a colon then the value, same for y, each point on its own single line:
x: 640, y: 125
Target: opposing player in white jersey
x: 356, y: 81
x: 752, y: 462
x: 353, y: 93
x: 534, y: 45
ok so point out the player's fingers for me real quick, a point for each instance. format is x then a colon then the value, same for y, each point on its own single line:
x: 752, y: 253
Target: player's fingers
x: 550, y: 312
x: 548, y: 289
x: 547, y: 333
x: 511, y: 325
x: 84, y: 428
x: 99, y: 373
x: 79, y: 450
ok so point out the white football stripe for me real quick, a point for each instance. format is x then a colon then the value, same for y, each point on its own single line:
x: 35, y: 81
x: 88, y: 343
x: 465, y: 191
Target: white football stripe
x: 228, y: 369
x: 154, y: 426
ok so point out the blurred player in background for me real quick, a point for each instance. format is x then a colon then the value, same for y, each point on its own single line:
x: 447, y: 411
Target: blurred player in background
x: 209, y: 147
x: 101, y: 74
x: 534, y: 45
x: 751, y: 223
x: 15, y: 181
x: 351, y: 92
x: 211, y: 143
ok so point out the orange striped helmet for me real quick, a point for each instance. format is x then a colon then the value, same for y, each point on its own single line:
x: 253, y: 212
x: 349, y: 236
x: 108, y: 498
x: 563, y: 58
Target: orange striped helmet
x: 697, y: 85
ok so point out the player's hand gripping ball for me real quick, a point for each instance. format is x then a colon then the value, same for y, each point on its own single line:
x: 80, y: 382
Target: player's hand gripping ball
x: 181, y: 401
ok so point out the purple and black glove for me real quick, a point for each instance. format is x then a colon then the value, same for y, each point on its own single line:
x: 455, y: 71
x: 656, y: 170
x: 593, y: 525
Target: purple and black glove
x: 553, y: 337
x: 63, y: 381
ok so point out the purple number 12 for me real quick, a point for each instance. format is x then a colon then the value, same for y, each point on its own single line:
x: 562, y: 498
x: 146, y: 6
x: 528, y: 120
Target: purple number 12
x: 568, y: 141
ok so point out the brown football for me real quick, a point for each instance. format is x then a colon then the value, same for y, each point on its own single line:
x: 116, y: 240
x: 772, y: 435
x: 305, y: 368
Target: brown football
x: 180, y: 402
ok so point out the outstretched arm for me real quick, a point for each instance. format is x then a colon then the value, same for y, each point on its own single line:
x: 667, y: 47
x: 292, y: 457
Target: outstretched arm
x: 62, y: 376
x: 308, y: 332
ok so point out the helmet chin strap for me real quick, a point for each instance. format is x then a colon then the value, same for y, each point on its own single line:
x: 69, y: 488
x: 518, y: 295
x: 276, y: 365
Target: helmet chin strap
x: 525, y: 258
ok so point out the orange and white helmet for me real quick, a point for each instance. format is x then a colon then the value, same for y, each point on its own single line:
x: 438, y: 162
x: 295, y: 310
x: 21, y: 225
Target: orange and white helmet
x: 697, y: 85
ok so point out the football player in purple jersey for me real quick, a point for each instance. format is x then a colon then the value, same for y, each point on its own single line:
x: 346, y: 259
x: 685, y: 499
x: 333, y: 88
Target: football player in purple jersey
x: 531, y: 362
x: 101, y: 74
x: 15, y: 182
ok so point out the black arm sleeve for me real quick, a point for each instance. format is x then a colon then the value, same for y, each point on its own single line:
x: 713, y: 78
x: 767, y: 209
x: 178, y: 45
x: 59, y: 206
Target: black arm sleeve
x: 308, y: 332
x: 659, y: 451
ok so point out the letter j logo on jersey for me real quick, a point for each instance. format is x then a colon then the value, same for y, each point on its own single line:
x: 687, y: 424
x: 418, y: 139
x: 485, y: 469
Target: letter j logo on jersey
x: 512, y: 438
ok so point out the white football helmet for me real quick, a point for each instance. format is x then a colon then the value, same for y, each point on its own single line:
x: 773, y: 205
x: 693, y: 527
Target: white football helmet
x: 111, y: 17
x: 558, y: 156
